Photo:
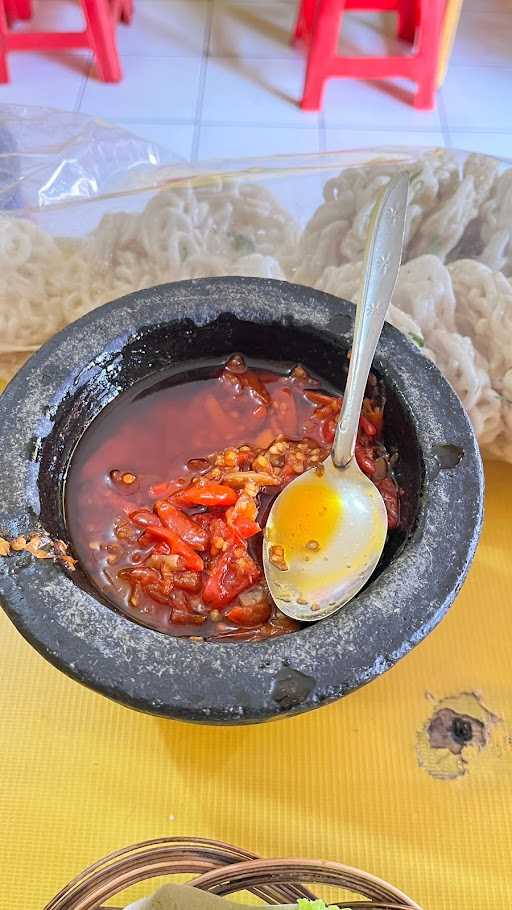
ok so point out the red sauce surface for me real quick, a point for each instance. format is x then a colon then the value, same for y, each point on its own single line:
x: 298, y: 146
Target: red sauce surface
x: 170, y: 487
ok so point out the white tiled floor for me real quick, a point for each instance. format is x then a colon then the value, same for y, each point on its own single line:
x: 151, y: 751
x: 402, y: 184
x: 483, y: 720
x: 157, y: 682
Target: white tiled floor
x: 363, y: 105
x: 478, y: 97
x: 218, y: 78
x: 174, y: 90
x: 339, y: 138
x: 250, y: 141
x: 254, y: 90
x: 167, y: 29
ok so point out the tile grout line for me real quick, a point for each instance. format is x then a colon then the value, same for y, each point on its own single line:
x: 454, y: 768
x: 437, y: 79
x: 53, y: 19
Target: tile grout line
x: 363, y: 128
x: 443, y: 118
x: 306, y: 127
x: 221, y: 123
x: 322, y: 133
x: 202, y: 83
x: 83, y: 85
x: 482, y: 64
x: 398, y: 128
x: 480, y: 131
x: 155, y: 121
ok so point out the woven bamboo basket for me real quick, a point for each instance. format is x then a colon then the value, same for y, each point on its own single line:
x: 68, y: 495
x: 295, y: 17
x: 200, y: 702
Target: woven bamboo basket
x: 222, y: 869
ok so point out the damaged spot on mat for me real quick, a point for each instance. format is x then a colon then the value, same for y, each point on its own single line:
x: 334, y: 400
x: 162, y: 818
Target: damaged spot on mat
x: 290, y: 687
x: 452, y: 731
x: 458, y: 729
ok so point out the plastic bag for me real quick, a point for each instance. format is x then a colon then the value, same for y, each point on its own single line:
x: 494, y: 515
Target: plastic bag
x: 90, y: 212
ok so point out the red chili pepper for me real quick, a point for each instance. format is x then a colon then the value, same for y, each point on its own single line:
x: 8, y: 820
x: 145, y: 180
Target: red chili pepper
x: 319, y: 398
x: 374, y: 414
x: 162, y: 549
x: 187, y: 581
x: 167, y: 488
x: 389, y: 492
x: 365, y: 461
x: 144, y: 518
x: 210, y: 494
x: 219, y: 529
x: 145, y: 540
x: 158, y: 593
x: 367, y: 426
x: 192, y: 559
x: 177, y: 521
x: 368, y: 465
x: 144, y: 575
x: 242, y: 516
x: 229, y: 576
x: 249, y: 616
x: 328, y: 431
x: 179, y: 601
x: 182, y: 618
x: 246, y: 528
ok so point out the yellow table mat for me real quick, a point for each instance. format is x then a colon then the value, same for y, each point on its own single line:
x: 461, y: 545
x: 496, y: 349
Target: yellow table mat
x: 81, y: 776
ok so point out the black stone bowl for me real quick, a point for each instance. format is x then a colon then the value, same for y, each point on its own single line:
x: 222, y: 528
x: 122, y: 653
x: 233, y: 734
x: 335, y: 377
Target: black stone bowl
x: 51, y: 401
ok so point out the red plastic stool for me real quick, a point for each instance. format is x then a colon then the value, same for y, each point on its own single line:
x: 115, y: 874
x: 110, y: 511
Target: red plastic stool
x: 101, y: 18
x: 419, y: 21
x: 22, y: 9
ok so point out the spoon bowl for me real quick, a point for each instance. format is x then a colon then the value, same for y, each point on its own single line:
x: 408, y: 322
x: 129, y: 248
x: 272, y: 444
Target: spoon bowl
x: 322, y: 507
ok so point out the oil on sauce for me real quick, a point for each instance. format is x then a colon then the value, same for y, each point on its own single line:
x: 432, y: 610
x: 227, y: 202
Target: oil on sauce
x: 161, y: 429
x: 254, y: 429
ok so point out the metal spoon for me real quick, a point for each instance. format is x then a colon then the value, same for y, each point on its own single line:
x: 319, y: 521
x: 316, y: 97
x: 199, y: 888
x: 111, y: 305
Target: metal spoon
x: 327, y: 529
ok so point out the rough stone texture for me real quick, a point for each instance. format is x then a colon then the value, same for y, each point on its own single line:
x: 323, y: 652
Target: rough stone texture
x: 63, y: 386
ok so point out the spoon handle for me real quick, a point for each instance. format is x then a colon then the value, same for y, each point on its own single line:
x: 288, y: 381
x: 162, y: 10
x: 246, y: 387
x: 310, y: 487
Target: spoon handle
x: 380, y: 270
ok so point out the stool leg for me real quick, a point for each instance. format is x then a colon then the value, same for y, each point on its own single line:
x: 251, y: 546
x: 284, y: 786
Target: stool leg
x: 322, y: 51
x: 127, y: 12
x: 304, y: 23
x: 9, y: 12
x: 407, y: 15
x: 23, y: 9
x: 4, y: 70
x: 4, y: 12
x: 428, y: 53
x: 101, y: 28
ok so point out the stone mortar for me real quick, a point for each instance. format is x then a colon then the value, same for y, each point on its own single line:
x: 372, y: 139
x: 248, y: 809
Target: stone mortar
x: 60, y: 390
